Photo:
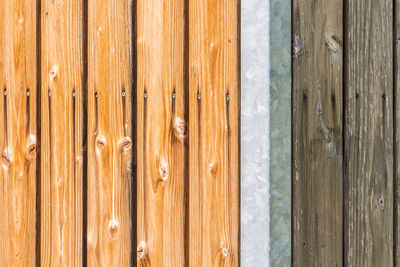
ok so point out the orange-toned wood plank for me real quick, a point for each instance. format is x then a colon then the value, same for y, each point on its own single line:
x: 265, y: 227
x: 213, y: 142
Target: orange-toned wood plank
x: 61, y: 133
x: 161, y: 133
x: 18, y: 70
x: 109, y: 229
x: 214, y: 110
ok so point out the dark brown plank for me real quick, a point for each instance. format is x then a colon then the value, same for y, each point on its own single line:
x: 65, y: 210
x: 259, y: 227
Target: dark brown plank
x: 317, y: 133
x: 369, y: 133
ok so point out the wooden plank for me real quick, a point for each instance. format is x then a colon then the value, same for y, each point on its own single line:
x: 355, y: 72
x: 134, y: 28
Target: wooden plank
x: 317, y: 133
x: 109, y: 226
x: 161, y: 133
x: 396, y: 127
x: 214, y: 112
x: 369, y: 133
x: 61, y: 133
x: 18, y: 70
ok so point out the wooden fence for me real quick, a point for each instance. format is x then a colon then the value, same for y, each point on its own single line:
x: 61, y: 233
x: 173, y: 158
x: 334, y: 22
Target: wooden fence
x: 346, y: 136
x: 119, y: 133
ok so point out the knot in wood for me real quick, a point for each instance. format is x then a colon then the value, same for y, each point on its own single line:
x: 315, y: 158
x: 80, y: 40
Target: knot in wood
x: 141, y: 250
x: 100, y: 143
x: 163, y: 170
x: 31, y: 148
x: 298, y: 46
x: 53, y: 72
x: 335, y: 48
x: 125, y: 144
x: 381, y: 202
x: 6, y: 159
x: 224, y: 252
x: 180, y: 131
x: 213, y: 167
x: 113, y: 228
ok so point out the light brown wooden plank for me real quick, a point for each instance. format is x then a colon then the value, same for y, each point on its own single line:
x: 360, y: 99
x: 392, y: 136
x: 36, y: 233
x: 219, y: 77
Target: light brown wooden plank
x: 160, y: 133
x: 109, y: 229
x: 317, y: 97
x: 61, y: 133
x: 214, y: 112
x: 18, y: 70
x: 369, y: 133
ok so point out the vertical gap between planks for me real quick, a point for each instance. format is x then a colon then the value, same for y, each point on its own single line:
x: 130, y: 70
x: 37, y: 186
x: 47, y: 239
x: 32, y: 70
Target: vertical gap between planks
x: 395, y: 139
x: 38, y: 131
x: 186, y: 96
x: 292, y: 137
x: 344, y: 119
x: 134, y: 134
x: 84, y: 128
x: 239, y: 112
x: 394, y: 135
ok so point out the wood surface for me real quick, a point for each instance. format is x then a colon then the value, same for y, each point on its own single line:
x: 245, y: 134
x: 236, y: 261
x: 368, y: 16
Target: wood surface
x: 161, y: 133
x: 317, y: 127
x: 369, y: 133
x: 396, y: 127
x: 61, y: 133
x: 18, y: 132
x: 109, y: 186
x: 214, y: 112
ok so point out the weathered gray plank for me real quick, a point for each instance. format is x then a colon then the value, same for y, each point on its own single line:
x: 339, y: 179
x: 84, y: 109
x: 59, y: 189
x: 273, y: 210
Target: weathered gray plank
x: 397, y: 131
x: 369, y: 133
x: 317, y: 133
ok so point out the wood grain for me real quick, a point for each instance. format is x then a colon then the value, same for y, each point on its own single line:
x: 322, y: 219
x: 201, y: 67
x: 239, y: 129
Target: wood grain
x: 369, y: 133
x: 61, y: 133
x: 161, y: 133
x: 317, y: 95
x: 18, y: 140
x: 109, y: 228
x: 214, y: 108
x: 396, y: 127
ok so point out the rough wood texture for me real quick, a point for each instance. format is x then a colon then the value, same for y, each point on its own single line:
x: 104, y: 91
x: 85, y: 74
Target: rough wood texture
x: 18, y: 89
x: 317, y: 133
x: 61, y: 133
x: 396, y: 102
x: 369, y: 133
x: 161, y: 133
x: 214, y: 109
x: 109, y: 230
